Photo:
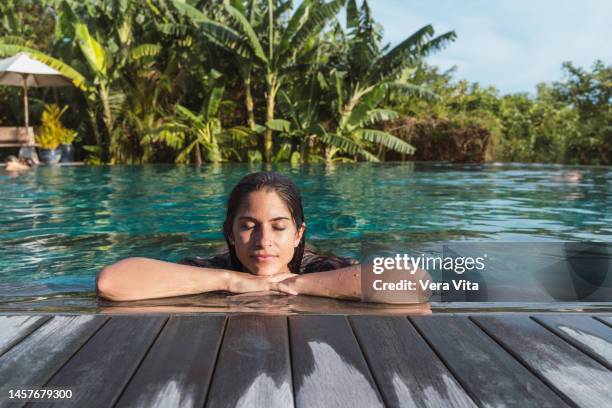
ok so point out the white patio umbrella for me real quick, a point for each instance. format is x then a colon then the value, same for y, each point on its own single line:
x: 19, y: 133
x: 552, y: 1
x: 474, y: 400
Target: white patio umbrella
x: 22, y: 70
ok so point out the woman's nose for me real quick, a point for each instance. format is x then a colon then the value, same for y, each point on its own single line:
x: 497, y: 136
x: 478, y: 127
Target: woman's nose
x: 264, y: 238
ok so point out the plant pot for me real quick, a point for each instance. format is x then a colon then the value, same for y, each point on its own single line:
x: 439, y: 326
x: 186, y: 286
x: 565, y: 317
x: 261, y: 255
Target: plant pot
x: 50, y: 156
x: 29, y: 153
x: 67, y: 153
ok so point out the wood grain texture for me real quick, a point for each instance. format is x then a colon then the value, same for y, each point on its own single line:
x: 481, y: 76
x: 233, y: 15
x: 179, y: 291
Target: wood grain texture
x: 548, y: 360
x: 605, y: 319
x: 34, y: 360
x: 589, y: 335
x: 407, y: 371
x: 329, y: 369
x: 177, y: 370
x: 99, y: 371
x: 13, y: 329
x: 491, y: 376
x: 253, y: 368
x: 572, y: 373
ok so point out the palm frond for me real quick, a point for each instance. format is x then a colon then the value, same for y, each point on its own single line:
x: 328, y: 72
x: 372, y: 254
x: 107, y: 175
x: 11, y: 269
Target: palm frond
x: 116, y: 101
x: 419, y: 91
x: 91, y: 49
x: 352, y: 15
x: 385, y: 139
x: 145, y: 50
x: 297, y: 19
x: 248, y: 31
x: 341, y: 142
x: 227, y: 38
x: 214, y: 101
x: 379, y: 115
x: 280, y: 125
x: 315, y: 21
x: 190, y: 12
x: 403, y: 54
x: 191, y: 117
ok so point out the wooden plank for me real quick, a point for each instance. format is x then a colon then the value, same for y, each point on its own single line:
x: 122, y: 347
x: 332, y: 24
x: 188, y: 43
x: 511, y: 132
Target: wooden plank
x: 572, y: 373
x: 253, y: 367
x: 407, y: 371
x: 491, y: 376
x: 587, y: 334
x: 99, y: 371
x: 328, y: 367
x: 13, y: 329
x: 34, y: 360
x: 16, y: 135
x: 605, y: 319
x: 177, y: 370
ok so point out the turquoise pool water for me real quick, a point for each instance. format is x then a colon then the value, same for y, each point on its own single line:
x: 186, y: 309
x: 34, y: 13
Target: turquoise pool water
x: 60, y: 225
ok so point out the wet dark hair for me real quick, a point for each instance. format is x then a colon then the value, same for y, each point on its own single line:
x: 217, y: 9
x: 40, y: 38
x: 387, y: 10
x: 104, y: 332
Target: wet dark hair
x: 289, y: 194
x: 21, y: 160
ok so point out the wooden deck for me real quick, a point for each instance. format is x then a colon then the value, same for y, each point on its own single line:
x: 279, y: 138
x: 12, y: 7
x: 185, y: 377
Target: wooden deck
x: 547, y: 360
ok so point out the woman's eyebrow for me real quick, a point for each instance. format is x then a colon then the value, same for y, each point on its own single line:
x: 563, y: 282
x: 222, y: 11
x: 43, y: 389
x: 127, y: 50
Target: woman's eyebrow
x: 246, y: 217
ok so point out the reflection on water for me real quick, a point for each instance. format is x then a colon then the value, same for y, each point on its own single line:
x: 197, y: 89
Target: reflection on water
x: 60, y: 225
x: 274, y: 304
x: 262, y: 303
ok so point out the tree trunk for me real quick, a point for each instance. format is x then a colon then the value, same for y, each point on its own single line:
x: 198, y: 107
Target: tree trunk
x: 250, y: 110
x: 270, y: 97
x: 306, y: 147
x: 94, y: 127
x: 215, y: 154
x: 108, y: 122
x: 198, y: 155
x: 249, y: 104
x: 329, y: 154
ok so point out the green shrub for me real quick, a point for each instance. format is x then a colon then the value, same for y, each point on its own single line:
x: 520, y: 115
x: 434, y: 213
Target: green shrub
x: 52, y: 132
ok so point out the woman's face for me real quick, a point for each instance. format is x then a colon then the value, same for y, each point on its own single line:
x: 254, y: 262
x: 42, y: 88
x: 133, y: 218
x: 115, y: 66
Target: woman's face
x: 264, y: 233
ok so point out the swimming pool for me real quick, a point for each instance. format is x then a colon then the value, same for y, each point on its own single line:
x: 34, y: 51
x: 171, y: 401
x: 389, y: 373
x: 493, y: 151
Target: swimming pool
x: 60, y: 225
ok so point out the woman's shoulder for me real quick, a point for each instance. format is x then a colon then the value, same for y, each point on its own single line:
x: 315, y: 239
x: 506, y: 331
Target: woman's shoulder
x: 315, y: 262
x: 312, y: 261
x: 218, y: 261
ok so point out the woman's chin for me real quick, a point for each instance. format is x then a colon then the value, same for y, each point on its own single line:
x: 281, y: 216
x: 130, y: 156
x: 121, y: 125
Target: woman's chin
x: 265, y: 270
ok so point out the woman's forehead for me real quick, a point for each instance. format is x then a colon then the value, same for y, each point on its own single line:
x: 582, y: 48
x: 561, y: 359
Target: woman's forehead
x: 266, y: 205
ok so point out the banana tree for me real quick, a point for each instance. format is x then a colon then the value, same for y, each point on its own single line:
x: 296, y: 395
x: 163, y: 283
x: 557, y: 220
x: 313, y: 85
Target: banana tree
x: 369, y: 66
x: 101, y: 57
x: 273, y: 53
x: 363, y: 73
x: 201, y: 134
x: 354, y: 132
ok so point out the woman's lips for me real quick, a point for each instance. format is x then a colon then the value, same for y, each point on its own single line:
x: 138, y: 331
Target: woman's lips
x: 263, y: 258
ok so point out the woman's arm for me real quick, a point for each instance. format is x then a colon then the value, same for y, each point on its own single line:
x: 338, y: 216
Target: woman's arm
x: 144, y: 278
x: 344, y: 283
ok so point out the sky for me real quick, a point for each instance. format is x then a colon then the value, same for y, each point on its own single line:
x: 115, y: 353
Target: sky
x: 510, y: 44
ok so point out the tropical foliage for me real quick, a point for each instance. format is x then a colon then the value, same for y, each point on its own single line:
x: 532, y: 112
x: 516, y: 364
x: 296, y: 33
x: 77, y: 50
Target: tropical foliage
x: 194, y: 81
x: 567, y: 121
x: 52, y: 132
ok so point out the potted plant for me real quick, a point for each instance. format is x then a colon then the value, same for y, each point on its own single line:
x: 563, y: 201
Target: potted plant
x: 66, y: 139
x: 52, y: 135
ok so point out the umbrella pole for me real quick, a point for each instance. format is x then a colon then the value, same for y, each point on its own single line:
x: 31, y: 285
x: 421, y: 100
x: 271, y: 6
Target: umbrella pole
x: 26, y: 108
x: 29, y: 150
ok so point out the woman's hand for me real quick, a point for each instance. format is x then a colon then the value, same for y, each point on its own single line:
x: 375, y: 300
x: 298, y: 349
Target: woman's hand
x: 240, y: 282
x: 289, y: 285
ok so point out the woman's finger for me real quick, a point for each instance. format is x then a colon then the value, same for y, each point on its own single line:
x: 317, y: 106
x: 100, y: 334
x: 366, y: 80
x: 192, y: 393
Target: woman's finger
x: 282, y: 287
x: 281, y: 277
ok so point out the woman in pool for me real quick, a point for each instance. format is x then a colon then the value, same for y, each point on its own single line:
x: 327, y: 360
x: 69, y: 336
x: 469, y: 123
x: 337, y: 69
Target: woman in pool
x: 265, y: 234
x: 15, y: 164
